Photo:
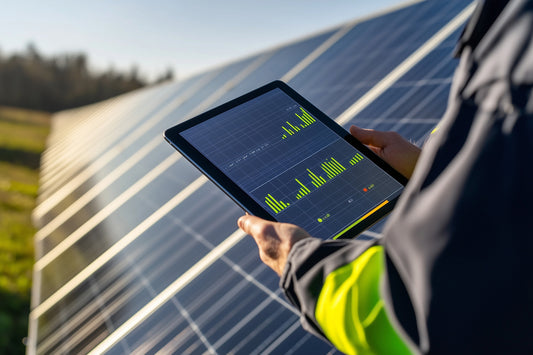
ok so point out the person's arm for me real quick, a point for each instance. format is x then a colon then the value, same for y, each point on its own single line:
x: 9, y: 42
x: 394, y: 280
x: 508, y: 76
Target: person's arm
x: 334, y: 284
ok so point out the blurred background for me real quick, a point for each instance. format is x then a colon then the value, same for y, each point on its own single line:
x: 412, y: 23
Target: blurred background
x: 57, y: 55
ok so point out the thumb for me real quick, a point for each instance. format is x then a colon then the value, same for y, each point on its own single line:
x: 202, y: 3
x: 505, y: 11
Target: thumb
x: 369, y: 136
x: 249, y: 224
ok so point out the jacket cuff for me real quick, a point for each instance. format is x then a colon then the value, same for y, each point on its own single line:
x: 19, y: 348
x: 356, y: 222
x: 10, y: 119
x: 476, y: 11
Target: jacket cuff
x: 308, y: 264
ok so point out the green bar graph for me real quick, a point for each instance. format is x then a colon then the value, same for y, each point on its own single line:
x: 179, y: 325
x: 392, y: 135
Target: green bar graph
x: 332, y: 168
x: 335, y: 168
x: 304, y: 191
x: 338, y: 165
x: 288, y: 131
x: 307, y: 116
x: 293, y: 127
x: 305, y: 120
x: 277, y: 206
x: 304, y: 188
x: 316, y: 180
x: 330, y: 173
x: 356, y: 159
x: 271, y: 205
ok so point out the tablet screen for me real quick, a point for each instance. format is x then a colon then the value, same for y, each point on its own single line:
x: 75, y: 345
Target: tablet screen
x: 294, y: 165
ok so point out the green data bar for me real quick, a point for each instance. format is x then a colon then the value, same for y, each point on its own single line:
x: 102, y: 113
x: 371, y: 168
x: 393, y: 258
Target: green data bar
x: 274, y: 208
x: 337, y: 164
x: 328, y: 170
x: 288, y: 131
x: 302, y: 185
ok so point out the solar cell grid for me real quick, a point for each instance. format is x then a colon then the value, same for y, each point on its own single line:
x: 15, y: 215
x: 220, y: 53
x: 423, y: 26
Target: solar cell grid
x: 116, y: 233
x: 122, y: 116
x: 130, y: 183
x: 155, y: 246
x: 414, y: 104
x: 222, y: 76
x: 231, y: 296
x: 355, y: 63
x: 115, y: 276
x: 93, y: 238
x: 82, y: 117
x: 284, y: 59
x: 155, y: 257
x: 97, y: 218
x: 134, y: 140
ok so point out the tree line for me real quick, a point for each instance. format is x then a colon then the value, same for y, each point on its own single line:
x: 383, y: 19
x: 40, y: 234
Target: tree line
x: 31, y: 80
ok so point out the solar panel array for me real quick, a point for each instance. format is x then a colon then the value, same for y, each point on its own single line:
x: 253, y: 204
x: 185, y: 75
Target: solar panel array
x: 138, y: 253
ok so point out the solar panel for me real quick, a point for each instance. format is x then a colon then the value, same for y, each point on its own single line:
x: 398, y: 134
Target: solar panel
x: 135, y: 106
x: 137, y: 252
x: 370, y: 51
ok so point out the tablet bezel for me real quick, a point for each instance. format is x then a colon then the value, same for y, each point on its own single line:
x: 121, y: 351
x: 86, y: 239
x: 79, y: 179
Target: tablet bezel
x: 239, y: 196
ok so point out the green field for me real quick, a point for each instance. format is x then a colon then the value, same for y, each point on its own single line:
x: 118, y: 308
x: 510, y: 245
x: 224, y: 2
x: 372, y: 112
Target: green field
x: 22, y: 139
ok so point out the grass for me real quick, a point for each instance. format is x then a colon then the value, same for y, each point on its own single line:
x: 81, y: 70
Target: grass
x: 22, y: 139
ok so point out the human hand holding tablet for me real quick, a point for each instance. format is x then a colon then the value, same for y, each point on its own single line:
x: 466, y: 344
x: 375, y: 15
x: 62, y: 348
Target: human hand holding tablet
x: 282, y: 159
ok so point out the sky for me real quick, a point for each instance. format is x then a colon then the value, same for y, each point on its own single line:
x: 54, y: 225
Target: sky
x: 189, y: 36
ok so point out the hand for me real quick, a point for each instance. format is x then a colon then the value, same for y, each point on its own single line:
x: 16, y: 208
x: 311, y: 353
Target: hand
x: 274, y: 240
x: 391, y: 147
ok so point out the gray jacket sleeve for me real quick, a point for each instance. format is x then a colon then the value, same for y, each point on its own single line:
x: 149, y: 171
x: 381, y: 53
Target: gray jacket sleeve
x: 309, y: 263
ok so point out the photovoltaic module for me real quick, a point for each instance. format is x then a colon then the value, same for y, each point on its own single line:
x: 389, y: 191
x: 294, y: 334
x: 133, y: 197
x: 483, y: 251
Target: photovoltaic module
x: 125, y: 265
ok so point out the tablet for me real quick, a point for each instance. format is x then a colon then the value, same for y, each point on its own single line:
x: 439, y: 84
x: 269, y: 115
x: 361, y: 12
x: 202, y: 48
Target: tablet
x: 280, y: 158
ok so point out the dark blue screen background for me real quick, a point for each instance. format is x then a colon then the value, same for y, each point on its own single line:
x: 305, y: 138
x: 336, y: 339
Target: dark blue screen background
x: 293, y: 165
